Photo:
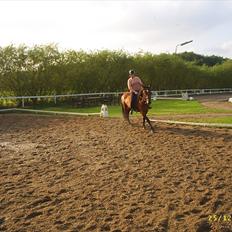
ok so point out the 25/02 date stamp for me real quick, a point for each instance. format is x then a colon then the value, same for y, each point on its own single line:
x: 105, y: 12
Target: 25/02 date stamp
x: 220, y: 218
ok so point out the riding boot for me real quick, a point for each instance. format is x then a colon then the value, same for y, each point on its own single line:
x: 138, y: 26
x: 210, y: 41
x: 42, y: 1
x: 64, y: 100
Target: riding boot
x: 131, y: 111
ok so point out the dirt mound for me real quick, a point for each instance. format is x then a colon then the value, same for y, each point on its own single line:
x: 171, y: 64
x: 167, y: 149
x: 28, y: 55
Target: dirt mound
x: 213, y: 97
x: 92, y: 174
x: 218, y: 105
x: 218, y: 101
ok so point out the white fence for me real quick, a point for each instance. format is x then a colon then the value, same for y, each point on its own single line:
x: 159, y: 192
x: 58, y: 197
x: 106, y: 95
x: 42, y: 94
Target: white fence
x: 80, y: 98
x: 170, y: 93
x: 101, y: 96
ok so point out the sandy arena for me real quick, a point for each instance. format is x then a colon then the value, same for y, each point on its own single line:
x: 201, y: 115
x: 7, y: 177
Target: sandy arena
x: 92, y: 174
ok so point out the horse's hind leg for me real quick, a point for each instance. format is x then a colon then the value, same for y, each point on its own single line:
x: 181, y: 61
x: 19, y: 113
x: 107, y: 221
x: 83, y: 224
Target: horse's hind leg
x: 126, y: 111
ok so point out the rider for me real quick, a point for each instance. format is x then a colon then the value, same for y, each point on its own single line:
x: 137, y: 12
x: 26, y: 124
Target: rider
x: 134, y: 84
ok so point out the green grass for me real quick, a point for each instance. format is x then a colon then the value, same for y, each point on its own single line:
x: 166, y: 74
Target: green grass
x: 166, y: 107
x: 159, y: 107
x: 115, y: 111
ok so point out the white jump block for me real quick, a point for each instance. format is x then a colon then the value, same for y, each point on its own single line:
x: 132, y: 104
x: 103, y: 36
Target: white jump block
x: 104, y: 111
x: 185, y: 96
x: 230, y: 99
x: 154, y: 98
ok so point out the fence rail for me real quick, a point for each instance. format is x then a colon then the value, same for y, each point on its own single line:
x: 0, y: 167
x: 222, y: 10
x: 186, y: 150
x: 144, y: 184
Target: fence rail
x: 108, y: 96
x: 169, y: 93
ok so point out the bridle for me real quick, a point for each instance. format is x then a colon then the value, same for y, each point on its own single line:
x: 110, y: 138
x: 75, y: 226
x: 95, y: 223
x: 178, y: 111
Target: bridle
x: 145, y: 96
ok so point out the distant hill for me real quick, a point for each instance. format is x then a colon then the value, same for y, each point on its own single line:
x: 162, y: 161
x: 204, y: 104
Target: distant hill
x: 201, y: 59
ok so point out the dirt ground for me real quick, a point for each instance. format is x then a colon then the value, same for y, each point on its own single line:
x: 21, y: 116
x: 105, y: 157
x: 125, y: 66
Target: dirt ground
x: 93, y: 174
x: 213, y: 97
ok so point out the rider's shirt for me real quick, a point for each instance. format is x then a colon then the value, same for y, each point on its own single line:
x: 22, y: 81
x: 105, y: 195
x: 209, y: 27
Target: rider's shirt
x: 134, y: 84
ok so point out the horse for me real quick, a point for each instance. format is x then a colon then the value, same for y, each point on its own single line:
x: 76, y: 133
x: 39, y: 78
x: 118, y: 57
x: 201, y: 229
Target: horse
x: 143, y: 101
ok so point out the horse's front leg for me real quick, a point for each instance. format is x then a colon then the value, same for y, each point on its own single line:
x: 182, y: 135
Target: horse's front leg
x: 149, y: 122
x: 128, y: 119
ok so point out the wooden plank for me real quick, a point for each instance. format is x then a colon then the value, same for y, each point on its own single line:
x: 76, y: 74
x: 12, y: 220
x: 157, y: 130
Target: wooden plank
x: 56, y: 112
x: 7, y: 110
x: 221, y: 125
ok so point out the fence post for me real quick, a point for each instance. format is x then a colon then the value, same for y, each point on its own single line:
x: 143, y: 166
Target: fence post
x: 23, y: 102
x: 55, y: 99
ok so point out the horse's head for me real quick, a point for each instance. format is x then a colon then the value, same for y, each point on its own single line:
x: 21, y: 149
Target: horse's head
x: 145, y: 95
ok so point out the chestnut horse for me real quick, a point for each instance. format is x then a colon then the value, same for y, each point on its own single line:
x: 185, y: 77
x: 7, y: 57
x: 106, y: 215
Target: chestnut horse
x: 143, y: 101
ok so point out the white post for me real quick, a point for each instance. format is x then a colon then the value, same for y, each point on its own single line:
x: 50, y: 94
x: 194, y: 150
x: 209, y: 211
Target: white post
x: 23, y: 102
x: 104, y: 111
x: 55, y: 99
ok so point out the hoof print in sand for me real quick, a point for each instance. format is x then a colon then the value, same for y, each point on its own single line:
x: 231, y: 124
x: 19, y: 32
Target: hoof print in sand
x: 33, y: 215
x: 203, y: 226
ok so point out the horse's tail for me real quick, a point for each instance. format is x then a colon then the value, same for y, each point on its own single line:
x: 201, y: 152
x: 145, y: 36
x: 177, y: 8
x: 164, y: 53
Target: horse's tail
x: 125, y: 111
x: 123, y: 107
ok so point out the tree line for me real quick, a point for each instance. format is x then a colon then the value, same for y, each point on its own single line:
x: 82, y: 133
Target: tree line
x: 45, y: 70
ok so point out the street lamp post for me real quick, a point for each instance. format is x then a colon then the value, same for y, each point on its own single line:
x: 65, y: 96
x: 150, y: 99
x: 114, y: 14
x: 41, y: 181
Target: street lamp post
x: 182, y: 44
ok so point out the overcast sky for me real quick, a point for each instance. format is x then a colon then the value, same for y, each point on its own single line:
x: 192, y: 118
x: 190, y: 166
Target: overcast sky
x: 154, y: 26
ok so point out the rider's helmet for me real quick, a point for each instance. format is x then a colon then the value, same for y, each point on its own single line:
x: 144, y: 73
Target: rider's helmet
x: 131, y: 72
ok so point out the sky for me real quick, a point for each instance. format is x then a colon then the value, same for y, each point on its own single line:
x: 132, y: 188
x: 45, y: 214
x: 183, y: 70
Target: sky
x: 133, y: 26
